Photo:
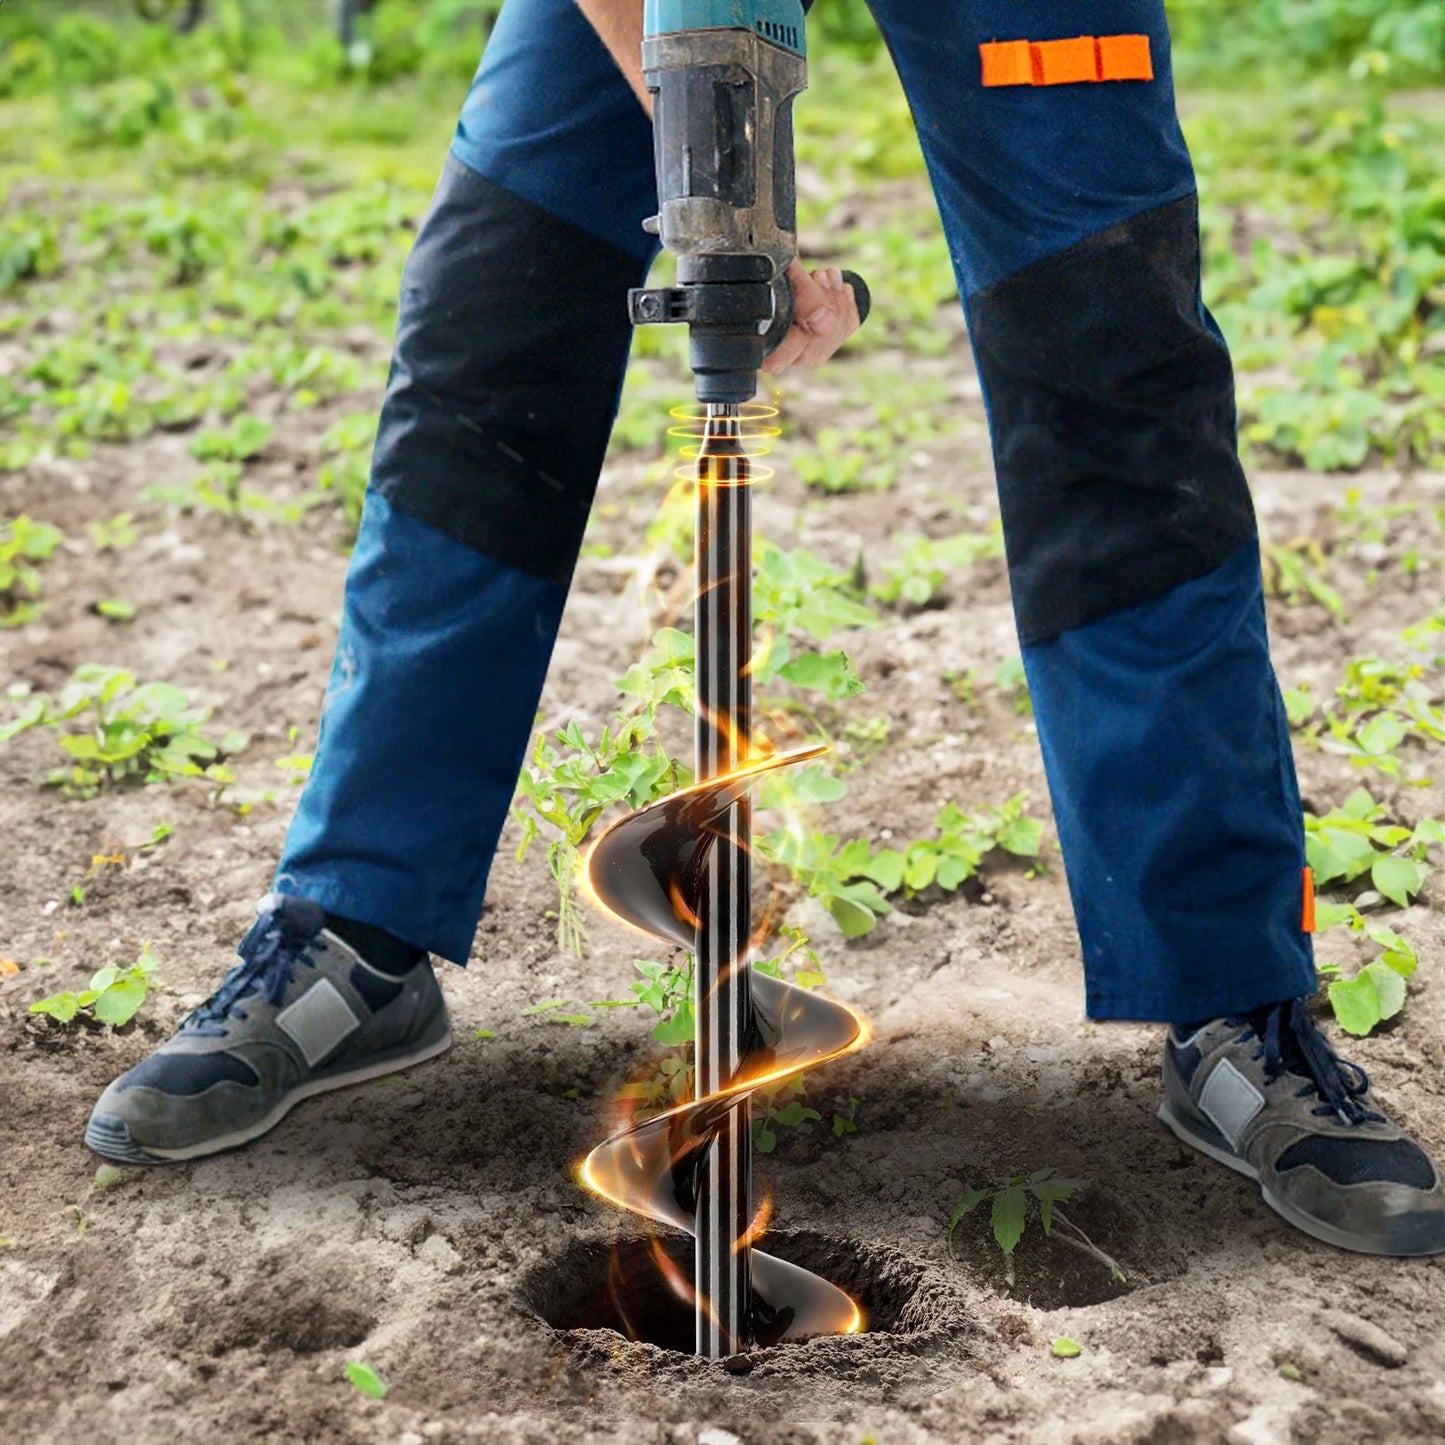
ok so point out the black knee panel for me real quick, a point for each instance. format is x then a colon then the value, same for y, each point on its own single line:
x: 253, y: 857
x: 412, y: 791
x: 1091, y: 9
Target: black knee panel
x: 510, y: 348
x: 1111, y: 402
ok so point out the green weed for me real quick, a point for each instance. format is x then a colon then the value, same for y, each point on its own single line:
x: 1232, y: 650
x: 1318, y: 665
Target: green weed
x: 129, y: 732
x: 24, y: 545
x: 1015, y: 1201
x: 1350, y: 845
x: 112, y: 998
x: 917, y: 573
x: 365, y: 1379
x: 851, y: 880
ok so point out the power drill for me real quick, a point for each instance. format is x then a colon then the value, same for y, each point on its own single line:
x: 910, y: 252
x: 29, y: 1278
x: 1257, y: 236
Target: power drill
x: 723, y: 74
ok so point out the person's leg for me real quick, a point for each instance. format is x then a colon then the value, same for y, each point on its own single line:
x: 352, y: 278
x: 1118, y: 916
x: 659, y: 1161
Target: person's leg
x: 1071, y: 216
x: 510, y: 350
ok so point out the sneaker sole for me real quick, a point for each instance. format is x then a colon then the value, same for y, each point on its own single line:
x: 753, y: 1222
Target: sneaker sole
x: 1307, y: 1224
x: 110, y: 1137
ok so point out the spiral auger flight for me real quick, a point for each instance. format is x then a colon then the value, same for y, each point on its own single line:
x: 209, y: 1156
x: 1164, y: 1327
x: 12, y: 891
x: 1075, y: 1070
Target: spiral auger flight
x: 680, y: 871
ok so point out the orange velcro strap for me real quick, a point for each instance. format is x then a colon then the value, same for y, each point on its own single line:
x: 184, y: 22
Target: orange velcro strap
x: 1066, y: 62
x: 1007, y: 63
x: 1125, y: 57
x: 1307, y: 907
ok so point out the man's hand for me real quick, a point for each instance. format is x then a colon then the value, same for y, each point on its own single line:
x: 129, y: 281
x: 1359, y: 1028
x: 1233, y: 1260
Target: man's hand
x: 825, y: 311
x: 825, y: 315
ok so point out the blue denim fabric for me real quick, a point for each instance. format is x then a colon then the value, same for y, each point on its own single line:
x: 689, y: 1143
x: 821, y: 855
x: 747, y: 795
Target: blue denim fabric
x: 1167, y: 750
x: 550, y: 117
x: 427, y: 718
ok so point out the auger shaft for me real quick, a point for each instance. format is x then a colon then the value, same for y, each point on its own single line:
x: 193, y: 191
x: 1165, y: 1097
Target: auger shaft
x: 722, y: 976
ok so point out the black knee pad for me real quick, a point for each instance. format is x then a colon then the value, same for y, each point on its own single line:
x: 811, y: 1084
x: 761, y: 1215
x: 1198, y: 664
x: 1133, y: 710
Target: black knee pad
x: 510, y: 348
x: 1111, y: 402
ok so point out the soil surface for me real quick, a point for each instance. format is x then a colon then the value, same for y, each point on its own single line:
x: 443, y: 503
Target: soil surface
x: 429, y: 1223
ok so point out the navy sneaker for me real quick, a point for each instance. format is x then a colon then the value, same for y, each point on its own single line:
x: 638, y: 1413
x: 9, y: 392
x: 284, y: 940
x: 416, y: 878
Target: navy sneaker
x: 1269, y: 1097
x: 302, y: 1013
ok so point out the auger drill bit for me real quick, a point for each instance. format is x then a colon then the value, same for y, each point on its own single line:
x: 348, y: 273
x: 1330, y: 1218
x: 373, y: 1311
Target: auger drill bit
x: 722, y: 977
x: 722, y: 77
x: 679, y: 869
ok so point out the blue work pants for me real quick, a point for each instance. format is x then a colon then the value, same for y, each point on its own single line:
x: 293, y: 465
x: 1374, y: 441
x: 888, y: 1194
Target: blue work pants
x: 1071, y: 217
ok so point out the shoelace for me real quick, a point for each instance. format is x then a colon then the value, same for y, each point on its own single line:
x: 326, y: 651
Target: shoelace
x: 270, y: 953
x: 1338, y: 1082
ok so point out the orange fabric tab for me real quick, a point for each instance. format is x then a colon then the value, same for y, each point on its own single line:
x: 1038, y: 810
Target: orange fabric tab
x: 1307, y: 909
x: 1065, y: 62
x: 1007, y: 62
x: 1125, y: 57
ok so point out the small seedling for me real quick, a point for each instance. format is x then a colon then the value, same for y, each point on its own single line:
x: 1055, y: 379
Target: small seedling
x: 845, y: 1116
x: 135, y: 732
x: 1014, y: 1201
x: 114, y: 533
x: 113, y: 997
x: 1013, y: 683
x: 1344, y: 845
x: 365, y: 1379
x: 550, y: 1010
x: 1064, y: 1348
x: 916, y: 575
x: 24, y: 545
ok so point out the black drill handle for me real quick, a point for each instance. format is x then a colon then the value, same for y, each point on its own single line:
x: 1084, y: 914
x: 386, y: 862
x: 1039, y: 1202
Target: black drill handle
x: 861, y: 294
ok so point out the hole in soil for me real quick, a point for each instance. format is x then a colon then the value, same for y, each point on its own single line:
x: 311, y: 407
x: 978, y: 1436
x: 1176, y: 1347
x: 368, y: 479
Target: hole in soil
x: 1057, y: 1271
x: 618, y: 1286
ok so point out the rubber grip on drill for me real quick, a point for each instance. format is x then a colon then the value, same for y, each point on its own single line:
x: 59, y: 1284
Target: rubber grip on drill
x: 861, y: 294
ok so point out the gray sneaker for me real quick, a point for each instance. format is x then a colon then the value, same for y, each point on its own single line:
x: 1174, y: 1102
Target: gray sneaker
x: 300, y: 1014
x: 1269, y: 1097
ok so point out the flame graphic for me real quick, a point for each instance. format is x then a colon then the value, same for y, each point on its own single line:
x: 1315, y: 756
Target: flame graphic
x: 645, y: 871
x: 754, y: 430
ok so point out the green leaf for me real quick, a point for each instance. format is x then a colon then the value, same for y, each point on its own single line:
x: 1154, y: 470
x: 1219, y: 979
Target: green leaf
x: 972, y: 1198
x: 365, y: 1379
x: 1359, y: 805
x: 1021, y: 836
x: 1356, y: 1004
x: 1382, y: 734
x: 116, y: 608
x: 107, y: 1175
x: 1331, y: 915
x: 952, y: 872
x: 885, y: 868
x: 677, y: 1029
x: 102, y: 978
x: 827, y: 672
x: 852, y: 918
x: 1389, y: 987
x: 1010, y: 1209
x: 1397, y: 878
x: 117, y: 1004
x: 1064, y: 1348
x: 1298, y: 706
x: 484, y: 1034
x: 62, y: 1007
x: 1399, y: 952
x: 919, y: 866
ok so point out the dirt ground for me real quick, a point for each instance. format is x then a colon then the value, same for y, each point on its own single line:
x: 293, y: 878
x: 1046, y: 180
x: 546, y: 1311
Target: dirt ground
x: 429, y: 1223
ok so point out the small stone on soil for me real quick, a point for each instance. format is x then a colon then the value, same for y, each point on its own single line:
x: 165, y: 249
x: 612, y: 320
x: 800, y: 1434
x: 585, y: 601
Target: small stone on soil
x: 1366, y: 1339
x: 738, y: 1364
